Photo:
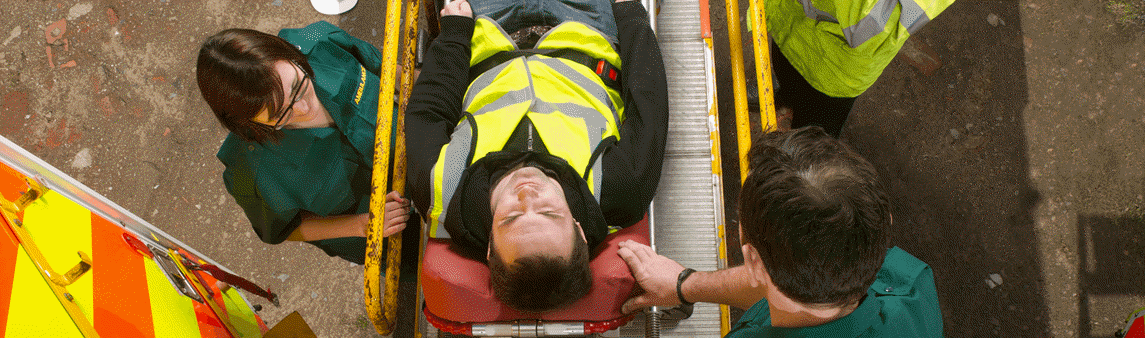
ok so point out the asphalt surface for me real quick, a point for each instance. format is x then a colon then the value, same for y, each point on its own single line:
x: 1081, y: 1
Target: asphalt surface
x: 1018, y: 158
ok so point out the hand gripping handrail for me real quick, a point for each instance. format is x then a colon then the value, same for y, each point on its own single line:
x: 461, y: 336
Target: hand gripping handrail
x: 390, y: 135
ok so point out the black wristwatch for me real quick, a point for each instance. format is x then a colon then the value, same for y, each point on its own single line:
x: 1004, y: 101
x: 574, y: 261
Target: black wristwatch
x: 680, y: 283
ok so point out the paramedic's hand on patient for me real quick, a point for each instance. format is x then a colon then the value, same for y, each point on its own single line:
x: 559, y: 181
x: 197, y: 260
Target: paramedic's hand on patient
x: 397, y: 213
x: 656, y: 274
x: 460, y: 7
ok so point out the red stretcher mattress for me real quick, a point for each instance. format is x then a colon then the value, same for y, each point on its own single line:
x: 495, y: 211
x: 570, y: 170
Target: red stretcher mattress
x: 457, y: 288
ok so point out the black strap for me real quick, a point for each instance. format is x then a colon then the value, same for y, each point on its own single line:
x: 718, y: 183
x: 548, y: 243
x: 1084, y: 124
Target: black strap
x: 607, y: 72
x: 596, y: 154
x: 680, y: 283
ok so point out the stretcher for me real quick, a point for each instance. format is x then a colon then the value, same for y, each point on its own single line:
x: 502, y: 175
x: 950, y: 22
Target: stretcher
x: 685, y: 223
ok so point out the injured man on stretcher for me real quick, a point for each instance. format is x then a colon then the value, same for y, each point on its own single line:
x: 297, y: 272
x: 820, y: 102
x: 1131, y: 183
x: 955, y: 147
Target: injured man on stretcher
x: 536, y: 127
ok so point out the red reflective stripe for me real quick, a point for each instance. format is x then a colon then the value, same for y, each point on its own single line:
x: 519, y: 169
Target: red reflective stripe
x: 7, y: 273
x: 11, y: 185
x: 612, y: 74
x: 209, y: 325
x: 122, y: 304
x: 600, y: 67
x: 209, y: 284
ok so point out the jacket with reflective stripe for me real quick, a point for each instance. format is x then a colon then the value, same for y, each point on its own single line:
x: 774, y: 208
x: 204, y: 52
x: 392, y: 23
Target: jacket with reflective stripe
x: 569, y: 106
x: 842, y: 46
x: 628, y: 150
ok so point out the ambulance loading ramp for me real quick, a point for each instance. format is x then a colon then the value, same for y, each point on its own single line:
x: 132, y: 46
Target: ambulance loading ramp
x: 688, y: 207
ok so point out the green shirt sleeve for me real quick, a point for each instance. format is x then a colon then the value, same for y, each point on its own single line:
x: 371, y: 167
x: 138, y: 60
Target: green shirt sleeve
x: 273, y: 225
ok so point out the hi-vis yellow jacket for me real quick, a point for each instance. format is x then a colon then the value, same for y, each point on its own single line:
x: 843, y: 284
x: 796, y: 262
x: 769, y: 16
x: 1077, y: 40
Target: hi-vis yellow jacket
x: 569, y: 108
x: 551, y: 112
x: 842, y: 46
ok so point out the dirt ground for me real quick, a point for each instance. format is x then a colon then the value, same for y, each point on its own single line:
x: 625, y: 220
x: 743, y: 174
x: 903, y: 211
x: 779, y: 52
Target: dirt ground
x: 1019, y: 157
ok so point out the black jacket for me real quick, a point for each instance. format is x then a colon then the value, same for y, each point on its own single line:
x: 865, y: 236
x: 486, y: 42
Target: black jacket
x: 631, y: 165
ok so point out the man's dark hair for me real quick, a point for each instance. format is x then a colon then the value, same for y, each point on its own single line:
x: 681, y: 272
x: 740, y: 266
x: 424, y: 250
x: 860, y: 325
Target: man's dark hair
x: 815, y: 211
x: 236, y: 76
x: 541, y: 283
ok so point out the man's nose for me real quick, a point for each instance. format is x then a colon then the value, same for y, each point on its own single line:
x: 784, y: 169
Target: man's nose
x: 526, y: 192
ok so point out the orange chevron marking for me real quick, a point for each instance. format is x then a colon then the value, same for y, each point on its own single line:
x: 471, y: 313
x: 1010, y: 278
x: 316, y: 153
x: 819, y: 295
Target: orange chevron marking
x: 122, y: 307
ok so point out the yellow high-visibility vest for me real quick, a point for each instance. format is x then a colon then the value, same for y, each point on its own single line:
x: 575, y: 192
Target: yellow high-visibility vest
x: 841, y: 47
x: 571, y: 108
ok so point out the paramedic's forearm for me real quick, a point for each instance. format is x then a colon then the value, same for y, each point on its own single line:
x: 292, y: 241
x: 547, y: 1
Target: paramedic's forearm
x: 315, y: 228
x: 730, y: 286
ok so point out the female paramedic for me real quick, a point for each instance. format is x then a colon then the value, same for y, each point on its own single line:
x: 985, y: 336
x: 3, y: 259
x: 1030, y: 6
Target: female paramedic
x: 301, y: 108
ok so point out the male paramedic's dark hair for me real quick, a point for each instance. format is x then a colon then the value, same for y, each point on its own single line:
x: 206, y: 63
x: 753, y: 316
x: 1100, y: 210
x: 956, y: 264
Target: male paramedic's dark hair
x: 237, y: 79
x: 541, y: 283
x: 815, y: 211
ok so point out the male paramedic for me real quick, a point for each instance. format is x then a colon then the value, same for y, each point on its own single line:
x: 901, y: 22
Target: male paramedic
x: 814, y: 222
x: 535, y: 126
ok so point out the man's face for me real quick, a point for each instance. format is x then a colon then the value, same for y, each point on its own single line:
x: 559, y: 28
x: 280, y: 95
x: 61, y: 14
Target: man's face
x: 530, y: 216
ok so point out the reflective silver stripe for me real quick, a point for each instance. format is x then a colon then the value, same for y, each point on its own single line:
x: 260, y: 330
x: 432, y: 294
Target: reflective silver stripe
x: 912, y: 16
x: 510, y: 98
x: 597, y: 90
x: 485, y: 80
x: 525, y: 94
x: 815, y: 14
x: 870, y: 25
x: 595, y: 123
x: 456, y: 153
x: 597, y: 174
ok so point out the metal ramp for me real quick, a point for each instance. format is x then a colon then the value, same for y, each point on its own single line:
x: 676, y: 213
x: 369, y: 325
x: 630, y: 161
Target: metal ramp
x: 688, y: 207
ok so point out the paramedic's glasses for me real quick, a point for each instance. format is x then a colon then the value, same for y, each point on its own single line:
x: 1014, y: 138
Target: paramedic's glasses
x: 295, y: 96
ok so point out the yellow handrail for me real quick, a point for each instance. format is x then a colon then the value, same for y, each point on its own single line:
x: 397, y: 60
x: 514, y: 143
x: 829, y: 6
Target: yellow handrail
x: 383, y: 313
x: 762, y: 66
x: 739, y: 88
x: 743, y: 123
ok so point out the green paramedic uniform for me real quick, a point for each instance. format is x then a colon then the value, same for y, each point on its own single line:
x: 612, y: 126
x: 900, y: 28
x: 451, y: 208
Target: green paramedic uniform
x: 325, y: 171
x: 902, y: 302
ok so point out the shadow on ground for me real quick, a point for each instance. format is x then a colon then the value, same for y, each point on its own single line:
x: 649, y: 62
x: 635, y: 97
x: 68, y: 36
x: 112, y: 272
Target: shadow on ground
x: 1110, y: 252
x: 951, y: 149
